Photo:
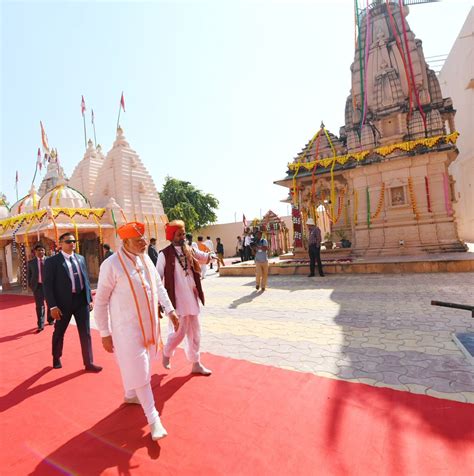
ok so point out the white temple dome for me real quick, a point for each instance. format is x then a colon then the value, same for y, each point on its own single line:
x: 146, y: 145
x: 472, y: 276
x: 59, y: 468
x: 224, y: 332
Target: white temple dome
x: 27, y: 204
x: 4, y: 212
x: 63, y: 196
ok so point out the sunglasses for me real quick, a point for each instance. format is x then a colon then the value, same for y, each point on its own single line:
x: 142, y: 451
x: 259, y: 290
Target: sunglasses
x: 69, y: 241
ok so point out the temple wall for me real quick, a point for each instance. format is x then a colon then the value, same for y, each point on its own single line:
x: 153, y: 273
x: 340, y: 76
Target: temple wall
x: 457, y: 80
x: 400, y: 227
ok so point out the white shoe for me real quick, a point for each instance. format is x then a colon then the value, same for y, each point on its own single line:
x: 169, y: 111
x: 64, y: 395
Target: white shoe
x: 131, y: 400
x: 166, y: 362
x: 198, y: 368
x: 157, y: 430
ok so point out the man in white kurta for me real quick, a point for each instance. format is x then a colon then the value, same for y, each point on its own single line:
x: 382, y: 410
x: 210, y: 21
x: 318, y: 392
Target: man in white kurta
x: 179, y: 266
x: 126, y: 312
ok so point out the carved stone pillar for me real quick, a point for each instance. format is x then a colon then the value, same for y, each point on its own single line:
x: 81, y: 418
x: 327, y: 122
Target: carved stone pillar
x: 3, y: 267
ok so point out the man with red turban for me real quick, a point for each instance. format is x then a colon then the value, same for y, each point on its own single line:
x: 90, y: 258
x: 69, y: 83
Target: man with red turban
x: 126, y: 312
x: 179, y: 267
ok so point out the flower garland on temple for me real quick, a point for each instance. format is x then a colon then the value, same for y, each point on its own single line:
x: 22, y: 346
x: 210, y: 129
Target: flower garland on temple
x: 408, y: 146
x: 428, y: 198
x: 7, y: 223
x: 380, y: 202
x: 356, y: 205
x: 413, y: 204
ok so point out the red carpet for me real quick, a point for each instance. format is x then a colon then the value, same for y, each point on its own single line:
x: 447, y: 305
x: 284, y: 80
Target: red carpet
x: 246, y: 419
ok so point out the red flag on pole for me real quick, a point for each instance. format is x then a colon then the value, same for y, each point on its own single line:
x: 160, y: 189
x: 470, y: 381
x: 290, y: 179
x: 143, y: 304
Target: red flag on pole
x: 244, y: 221
x: 122, y: 102
x: 83, y: 106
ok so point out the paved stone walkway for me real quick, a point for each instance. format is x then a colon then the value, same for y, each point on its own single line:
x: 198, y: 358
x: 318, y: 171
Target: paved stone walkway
x: 375, y: 329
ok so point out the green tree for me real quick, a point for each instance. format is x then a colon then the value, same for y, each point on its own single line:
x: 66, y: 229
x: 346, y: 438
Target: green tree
x: 4, y: 200
x: 182, y: 201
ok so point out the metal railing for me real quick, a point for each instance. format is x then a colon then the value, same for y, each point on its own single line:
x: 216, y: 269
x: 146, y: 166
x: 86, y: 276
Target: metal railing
x: 464, y: 307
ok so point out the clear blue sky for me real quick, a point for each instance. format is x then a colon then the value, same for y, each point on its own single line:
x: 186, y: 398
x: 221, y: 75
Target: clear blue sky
x: 220, y: 93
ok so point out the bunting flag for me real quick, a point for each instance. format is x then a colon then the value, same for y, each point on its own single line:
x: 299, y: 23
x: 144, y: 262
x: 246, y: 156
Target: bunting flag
x: 44, y: 139
x: 83, y: 106
x: 122, y: 102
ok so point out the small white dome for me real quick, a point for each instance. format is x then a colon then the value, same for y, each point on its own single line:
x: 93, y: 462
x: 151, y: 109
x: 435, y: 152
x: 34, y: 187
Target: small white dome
x: 63, y: 196
x: 27, y: 204
x: 4, y: 212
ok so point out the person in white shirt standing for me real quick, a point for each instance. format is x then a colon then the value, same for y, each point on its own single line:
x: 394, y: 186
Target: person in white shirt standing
x: 210, y: 246
x: 35, y: 282
x: 179, y: 267
x: 126, y: 312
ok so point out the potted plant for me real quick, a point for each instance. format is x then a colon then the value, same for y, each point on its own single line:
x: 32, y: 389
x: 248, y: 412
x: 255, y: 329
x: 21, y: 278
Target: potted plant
x: 328, y: 244
x: 345, y: 243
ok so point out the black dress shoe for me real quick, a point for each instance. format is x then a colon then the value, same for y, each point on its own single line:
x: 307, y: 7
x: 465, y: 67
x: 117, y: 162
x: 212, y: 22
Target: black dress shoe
x: 39, y: 329
x: 50, y: 323
x: 57, y: 364
x: 310, y: 275
x: 322, y: 275
x: 93, y: 368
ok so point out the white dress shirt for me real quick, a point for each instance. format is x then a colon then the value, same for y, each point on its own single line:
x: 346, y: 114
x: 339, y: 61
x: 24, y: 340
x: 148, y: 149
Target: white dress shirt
x: 67, y: 258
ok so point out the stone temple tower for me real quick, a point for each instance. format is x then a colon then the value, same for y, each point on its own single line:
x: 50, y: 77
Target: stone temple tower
x: 387, y: 183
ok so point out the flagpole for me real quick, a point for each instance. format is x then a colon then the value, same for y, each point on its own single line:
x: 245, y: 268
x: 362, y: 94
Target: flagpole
x: 16, y: 185
x: 120, y: 109
x: 93, y: 126
x: 34, y: 176
x: 85, y: 135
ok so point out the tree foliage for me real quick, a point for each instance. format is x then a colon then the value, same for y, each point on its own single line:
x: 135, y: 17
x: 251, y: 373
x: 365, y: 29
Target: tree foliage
x: 4, y: 200
x: 182, y: 201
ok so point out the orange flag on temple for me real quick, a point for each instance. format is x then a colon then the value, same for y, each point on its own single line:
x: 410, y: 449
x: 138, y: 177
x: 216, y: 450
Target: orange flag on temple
x: 122, y: 102
x: 44, y: 139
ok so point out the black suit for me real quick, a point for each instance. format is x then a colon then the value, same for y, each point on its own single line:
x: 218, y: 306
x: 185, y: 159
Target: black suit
x: 38, y: 292
x: 58, y: 293
x: 153, y: 254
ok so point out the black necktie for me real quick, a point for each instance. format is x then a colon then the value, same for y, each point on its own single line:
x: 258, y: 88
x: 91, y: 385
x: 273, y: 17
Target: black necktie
x: 75, y: 272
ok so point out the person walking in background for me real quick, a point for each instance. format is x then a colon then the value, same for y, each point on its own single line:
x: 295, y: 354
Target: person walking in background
x: 314, y: 247
x: 107, y: 251
x: 220, y: 254
x: 35, y: 283
x: 239, y: 248
x: 202, y: 247
x: 260, y: 246
x: 178, y: 266
x: 68, y: 293
x: 152, y: 251
x: 126, y: 312
x: 189, y: 240
x: 210, y: 246
x: 248, y: 239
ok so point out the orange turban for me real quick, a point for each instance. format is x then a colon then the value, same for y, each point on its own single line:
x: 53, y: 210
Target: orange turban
x: 131, y: 230
x: 172, y: 228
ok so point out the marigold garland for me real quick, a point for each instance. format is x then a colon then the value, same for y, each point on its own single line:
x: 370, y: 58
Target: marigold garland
x: 380, y: 203
x: 411, y: 192
x: 383, y: 151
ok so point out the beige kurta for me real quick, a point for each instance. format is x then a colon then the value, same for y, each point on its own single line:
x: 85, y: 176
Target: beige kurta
x: 116, y: 313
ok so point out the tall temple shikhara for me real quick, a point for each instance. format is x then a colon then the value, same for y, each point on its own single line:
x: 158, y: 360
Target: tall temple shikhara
x: 384, y: 182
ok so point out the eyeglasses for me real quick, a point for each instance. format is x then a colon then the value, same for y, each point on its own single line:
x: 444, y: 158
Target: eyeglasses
x: 69, y: 241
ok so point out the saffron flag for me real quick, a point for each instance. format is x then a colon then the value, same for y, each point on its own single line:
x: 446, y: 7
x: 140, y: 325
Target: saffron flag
x: 244, y: 221
x: 83, y: 106
x: 122, y: 102
x: 44, y: 139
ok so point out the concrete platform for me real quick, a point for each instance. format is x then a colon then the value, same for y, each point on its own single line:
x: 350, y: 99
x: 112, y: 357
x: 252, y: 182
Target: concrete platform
x: 433, y: 263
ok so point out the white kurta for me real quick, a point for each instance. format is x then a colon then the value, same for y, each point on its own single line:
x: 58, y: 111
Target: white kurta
x: 187, y: 299
x: 116, y: 314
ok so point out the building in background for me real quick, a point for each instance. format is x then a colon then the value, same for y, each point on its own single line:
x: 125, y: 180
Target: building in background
x: 102, y: 194
x: 456, y: 79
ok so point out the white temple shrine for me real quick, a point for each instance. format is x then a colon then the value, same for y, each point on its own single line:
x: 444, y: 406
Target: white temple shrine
x: 101, y: 195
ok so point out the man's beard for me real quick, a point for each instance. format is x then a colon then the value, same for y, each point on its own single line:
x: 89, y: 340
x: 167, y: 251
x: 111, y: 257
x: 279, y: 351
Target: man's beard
x: 179, y: 242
